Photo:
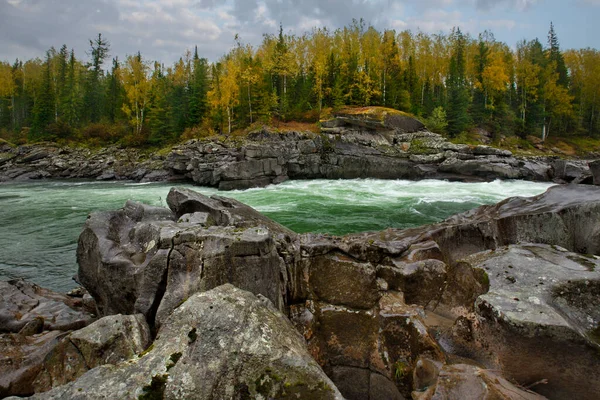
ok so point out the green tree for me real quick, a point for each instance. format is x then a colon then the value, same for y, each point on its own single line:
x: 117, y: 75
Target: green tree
x: 94, y: 95
x: 44, y: 107
x: 458, y: 91
x: 199, y: 88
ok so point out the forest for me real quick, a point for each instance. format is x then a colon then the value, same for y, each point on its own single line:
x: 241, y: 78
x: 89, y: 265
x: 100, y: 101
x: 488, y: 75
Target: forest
x: 452, y: 81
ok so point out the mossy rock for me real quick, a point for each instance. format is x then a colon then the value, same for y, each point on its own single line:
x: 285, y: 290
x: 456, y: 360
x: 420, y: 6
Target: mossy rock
x: 372, y: 118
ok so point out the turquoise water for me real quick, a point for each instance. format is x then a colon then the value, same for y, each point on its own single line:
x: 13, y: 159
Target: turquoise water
x: 41, y: 221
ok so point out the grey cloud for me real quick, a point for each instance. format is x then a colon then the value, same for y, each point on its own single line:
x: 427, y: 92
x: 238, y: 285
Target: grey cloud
x: 487, y: 5
x: 336, y: 13
x: 32, y: 26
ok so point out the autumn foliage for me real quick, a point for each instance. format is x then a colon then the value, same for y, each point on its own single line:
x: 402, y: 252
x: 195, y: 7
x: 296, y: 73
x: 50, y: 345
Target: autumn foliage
x: 453, y: 82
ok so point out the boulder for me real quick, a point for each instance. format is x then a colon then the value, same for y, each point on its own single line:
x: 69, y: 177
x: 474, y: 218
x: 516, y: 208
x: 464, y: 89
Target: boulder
x: 27, y: 307
x: 595, y: 171
x: 469, y: 382
x: 223, y: 343
x: 148, y: 260
x: 538, y: 321
x: 36, y: 363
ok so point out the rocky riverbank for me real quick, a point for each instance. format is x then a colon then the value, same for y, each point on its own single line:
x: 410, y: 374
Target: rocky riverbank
x: 498, y: 302
x: 387, y: 145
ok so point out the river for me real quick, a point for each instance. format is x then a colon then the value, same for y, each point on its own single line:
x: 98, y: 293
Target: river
x: 41, y: 221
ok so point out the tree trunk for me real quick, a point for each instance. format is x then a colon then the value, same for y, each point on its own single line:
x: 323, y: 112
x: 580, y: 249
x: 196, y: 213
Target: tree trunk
x: 229, y: 119
x: 249, y: 102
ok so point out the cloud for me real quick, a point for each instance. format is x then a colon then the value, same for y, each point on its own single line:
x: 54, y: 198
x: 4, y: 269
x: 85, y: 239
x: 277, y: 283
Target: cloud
x: 163, y: 29
x: 520, y: 5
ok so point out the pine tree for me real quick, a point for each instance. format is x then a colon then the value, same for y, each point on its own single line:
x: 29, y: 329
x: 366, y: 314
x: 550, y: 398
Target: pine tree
x: 114, y: 92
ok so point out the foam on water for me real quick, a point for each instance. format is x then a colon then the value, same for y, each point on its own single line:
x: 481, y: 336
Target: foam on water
x: 41, y: 221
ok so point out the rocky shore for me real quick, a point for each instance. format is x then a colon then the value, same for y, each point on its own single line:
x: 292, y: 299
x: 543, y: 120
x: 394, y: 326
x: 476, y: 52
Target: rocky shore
x: 383, y: 145
x: 209, y: 299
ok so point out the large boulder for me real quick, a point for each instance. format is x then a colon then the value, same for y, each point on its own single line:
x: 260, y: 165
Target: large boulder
x: 148, y: 260
x: 221, y: 344
x: 539, y: 320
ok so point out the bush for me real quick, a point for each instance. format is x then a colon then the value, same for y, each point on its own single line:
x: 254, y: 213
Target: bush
x: 437, y: 120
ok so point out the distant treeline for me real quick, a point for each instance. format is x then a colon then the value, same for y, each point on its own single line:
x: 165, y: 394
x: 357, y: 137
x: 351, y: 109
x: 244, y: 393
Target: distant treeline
x: 453, y: 81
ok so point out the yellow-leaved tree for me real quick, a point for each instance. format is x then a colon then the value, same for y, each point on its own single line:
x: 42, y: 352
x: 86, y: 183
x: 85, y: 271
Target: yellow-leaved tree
x: 224, y: 95
x: 137, y: 86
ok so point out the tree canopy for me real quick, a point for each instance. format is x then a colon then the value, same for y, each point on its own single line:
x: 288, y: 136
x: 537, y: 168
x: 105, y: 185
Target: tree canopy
x: 455, y: 81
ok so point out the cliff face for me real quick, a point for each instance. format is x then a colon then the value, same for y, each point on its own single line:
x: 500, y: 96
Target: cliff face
x: 382, y: 144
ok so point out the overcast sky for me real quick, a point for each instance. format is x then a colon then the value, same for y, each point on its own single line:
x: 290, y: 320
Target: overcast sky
x: 163, y: 29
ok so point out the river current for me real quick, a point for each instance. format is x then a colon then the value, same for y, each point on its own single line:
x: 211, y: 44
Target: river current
x: 41, y: 221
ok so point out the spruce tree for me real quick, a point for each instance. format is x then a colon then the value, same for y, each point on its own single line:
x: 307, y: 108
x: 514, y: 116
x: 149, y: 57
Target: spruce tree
x: 94, y: 96
x: 458, y: 92
x: 43, y: 110
x: 555, y: 56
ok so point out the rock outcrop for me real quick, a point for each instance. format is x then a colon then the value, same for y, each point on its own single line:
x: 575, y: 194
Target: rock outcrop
x: 143, y: 259
x: 484, y: 304
x: 49, y: 343
x: 221, y: 344
x: 538, y: 321
x: 392, y: 287
x: 51, y: 161
x: 370, y: 142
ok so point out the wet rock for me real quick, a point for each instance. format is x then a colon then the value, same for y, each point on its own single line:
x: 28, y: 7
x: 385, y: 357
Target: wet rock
x: 224, y: 343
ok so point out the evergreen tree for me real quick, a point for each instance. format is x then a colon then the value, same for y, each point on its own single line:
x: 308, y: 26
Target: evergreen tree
x: 114, y: 92
x: 72, y: 96
x: 458, y: 92
x: 94, y: 96
x: 199, y: 88
x: 555, y: 56
x: 43, y: 109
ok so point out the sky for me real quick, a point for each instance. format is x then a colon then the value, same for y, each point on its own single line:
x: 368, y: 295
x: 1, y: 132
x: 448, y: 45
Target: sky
x: 164, y: 29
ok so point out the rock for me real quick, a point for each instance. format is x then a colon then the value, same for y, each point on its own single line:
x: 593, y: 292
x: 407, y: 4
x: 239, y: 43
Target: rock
x: 595, y: 170
x: 378, y: 118
x: 110, y: 340
x: 468, y: 382
x: 388, y: 286
x: 224, y: 343
x: 30, y: 309
x: 340, y: 280
x: 38, y: 363
x: 568, y: 171
x: 537, y: 321
x: 163, y: 261
x: 22, y: 358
